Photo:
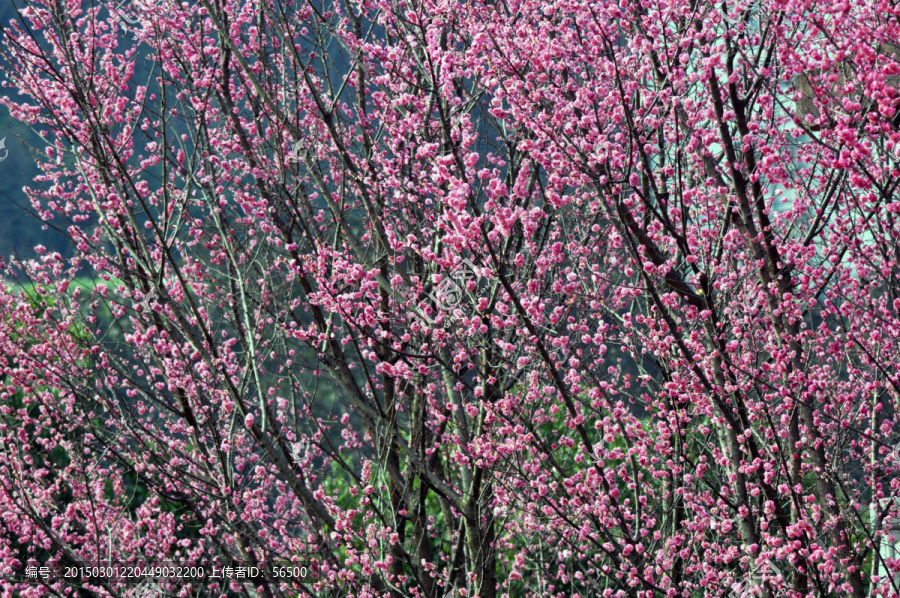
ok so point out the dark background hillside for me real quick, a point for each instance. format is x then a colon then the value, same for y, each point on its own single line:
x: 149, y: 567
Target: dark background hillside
x: 20, y: 230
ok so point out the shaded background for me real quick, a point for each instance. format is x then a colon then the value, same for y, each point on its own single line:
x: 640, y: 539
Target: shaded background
x: 20, y: 229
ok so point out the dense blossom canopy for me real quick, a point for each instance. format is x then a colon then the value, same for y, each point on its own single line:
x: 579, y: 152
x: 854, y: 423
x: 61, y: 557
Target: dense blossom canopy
x: 459, y: 298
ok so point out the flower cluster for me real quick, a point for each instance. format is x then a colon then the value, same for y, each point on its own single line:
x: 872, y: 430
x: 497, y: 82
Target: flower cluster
x: 467, y: 298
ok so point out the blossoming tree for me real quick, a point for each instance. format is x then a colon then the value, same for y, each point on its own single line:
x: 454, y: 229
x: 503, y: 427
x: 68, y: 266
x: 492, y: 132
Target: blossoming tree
x: 468, y: 298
